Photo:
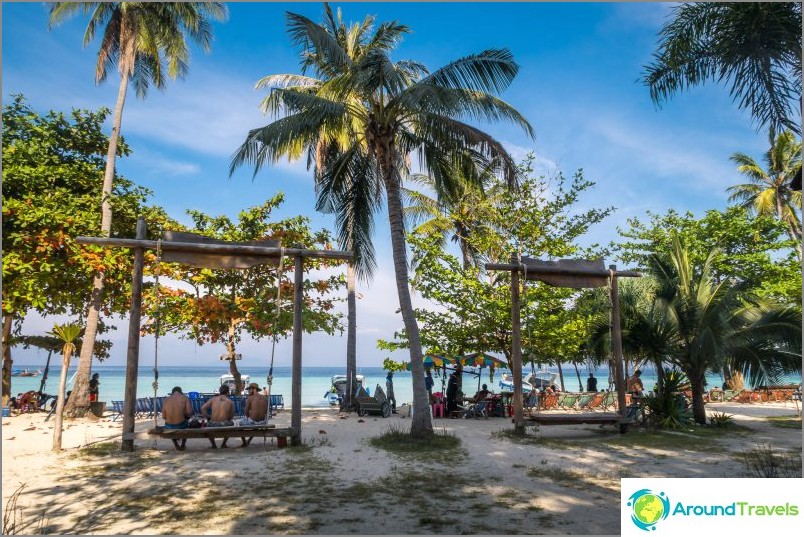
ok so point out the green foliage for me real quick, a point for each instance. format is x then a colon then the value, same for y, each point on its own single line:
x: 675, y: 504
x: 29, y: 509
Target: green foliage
x: 224, y: 304
x: 754, y: 47
x: 475, y: 306
x: 721, y: 420
x: 52, y: 173
x: 391, y: 365
x: 666, y: 408
x: 766, y: 462
x: 752, y: 251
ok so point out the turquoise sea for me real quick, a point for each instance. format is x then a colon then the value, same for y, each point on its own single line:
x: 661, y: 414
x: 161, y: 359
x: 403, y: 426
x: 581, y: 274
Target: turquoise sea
x: 316, y: 381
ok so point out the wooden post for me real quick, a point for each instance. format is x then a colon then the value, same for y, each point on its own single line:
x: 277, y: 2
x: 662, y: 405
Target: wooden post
x: 133, y: 352
x: 296, y: 369
x: 617, y: 342
x: 516, y: 353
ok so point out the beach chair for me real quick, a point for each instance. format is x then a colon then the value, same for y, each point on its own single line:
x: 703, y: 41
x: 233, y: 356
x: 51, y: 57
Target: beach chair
x: 144, y: 408
x: 584, y: 399
x: 567, y: 401
x: 530, y: 401
x: 548, y: 401
x: 239, y: 405
x: 117, y: 410
x: 277, y: 401
x: 609, y: 401
x: 595, y: 401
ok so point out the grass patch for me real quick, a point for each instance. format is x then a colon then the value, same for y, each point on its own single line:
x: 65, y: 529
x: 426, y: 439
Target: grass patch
x: 765, y: 462
x: 440, y: 447
x: 558, y: 475
x: 785, y: 422
x: 705, y: 438
x: 101, y: 449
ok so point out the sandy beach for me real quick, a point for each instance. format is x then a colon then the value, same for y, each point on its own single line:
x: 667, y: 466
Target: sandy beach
x: 559, y: 480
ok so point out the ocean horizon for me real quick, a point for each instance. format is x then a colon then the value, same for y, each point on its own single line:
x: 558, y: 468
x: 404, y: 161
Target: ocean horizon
x: 316, y: 381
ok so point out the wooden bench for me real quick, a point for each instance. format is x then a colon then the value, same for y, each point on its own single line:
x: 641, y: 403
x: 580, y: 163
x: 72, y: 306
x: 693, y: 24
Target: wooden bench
x: 246, y: 433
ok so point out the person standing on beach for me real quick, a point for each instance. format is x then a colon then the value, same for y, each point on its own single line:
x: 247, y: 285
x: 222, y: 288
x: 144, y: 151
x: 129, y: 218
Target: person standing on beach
x: 221, y: 408
x: 389, y: 386
x: 428, y: 383
x: 452, y: 393
x: 94, y: 387
x: 176, y: 410
x: 256, y: 406
x: 591, y: 383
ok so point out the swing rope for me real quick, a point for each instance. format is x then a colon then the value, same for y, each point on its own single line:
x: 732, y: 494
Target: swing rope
x: 276, y: 323
x: 156, y: 326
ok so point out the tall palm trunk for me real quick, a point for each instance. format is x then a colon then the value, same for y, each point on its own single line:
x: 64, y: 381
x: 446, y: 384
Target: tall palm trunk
x: 421, y: 424
x: 351, y: 336
x: 230, y: 347
x: 698, y: 389
x: 79, y: 401
x: 8, y: 321
x: 65, y: 364
x: 793, y: 230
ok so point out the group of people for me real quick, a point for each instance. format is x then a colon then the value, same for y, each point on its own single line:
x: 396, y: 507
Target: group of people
x: 177, y: 410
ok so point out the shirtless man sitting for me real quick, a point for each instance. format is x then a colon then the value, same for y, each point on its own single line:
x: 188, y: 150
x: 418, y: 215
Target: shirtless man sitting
x: 222, y: 409
x: 256, y: 406
x: 176, y: 409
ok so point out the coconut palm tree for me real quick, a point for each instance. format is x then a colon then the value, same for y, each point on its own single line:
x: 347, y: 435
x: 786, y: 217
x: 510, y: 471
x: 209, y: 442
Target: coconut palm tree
x: 755, y: 47
x: 146, y: 41
x: 380, y: 113
x: 717, y: 323
x: 67, y: 334
x: 459, y: 212
x: 769, y: 191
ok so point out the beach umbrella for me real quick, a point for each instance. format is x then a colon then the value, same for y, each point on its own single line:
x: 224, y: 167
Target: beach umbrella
x: 482, y: 359
x: 433, y: 360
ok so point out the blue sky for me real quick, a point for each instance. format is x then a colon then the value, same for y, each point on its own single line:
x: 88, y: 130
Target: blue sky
x: 578, y: 86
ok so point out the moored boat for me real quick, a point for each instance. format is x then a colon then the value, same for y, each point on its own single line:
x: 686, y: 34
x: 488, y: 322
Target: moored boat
x: 537, y: 380
x: 336, y: 393
x: 229, y: 380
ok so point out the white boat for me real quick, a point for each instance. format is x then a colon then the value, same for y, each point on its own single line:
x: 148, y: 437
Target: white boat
x: 335, y: 394
x: 538, y: 380
x: 229, y: 380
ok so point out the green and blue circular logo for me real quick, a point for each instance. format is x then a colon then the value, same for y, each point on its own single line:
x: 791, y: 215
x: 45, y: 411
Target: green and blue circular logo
x: 648, y: 508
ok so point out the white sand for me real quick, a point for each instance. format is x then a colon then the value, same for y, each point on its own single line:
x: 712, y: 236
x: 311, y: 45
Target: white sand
x: 565, y: 481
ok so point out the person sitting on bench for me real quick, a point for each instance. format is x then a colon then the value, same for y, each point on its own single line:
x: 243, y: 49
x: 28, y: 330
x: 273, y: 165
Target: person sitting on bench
x: 222, y: 409
x: 176, y: 409
x: 256, y: 406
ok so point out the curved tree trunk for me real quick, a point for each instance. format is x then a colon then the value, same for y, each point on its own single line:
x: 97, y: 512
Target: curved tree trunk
x: 421, y: 424
x: 351, y: 336
x: 65, y: 364
x: 78, y: 404
x: 792, y: 229
x: 8, y: 321
x: 230, y: 347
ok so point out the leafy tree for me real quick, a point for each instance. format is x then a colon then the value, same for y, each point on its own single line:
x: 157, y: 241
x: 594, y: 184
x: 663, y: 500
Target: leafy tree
x: 382, y: 112
x: 754, y: 47
x: 52, y: 166
x: 461, y: 211
x: 145, y: 41
x: 474, y: 308
x: 751, y: 251
x: 223, y: 305
x: 769, y: 192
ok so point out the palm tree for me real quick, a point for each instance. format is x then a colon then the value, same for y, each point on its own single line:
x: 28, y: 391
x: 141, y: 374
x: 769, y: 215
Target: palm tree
x: 145, y: 41
x: 717, y: 323
x: 67, y: 334
x: 380, y: 112
x: 755, y: 47
x: 459, y: 212
x: 769, y: 191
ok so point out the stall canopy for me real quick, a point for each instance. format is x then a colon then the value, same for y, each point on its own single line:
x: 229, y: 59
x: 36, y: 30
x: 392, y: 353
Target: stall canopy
x: 434, y: 361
